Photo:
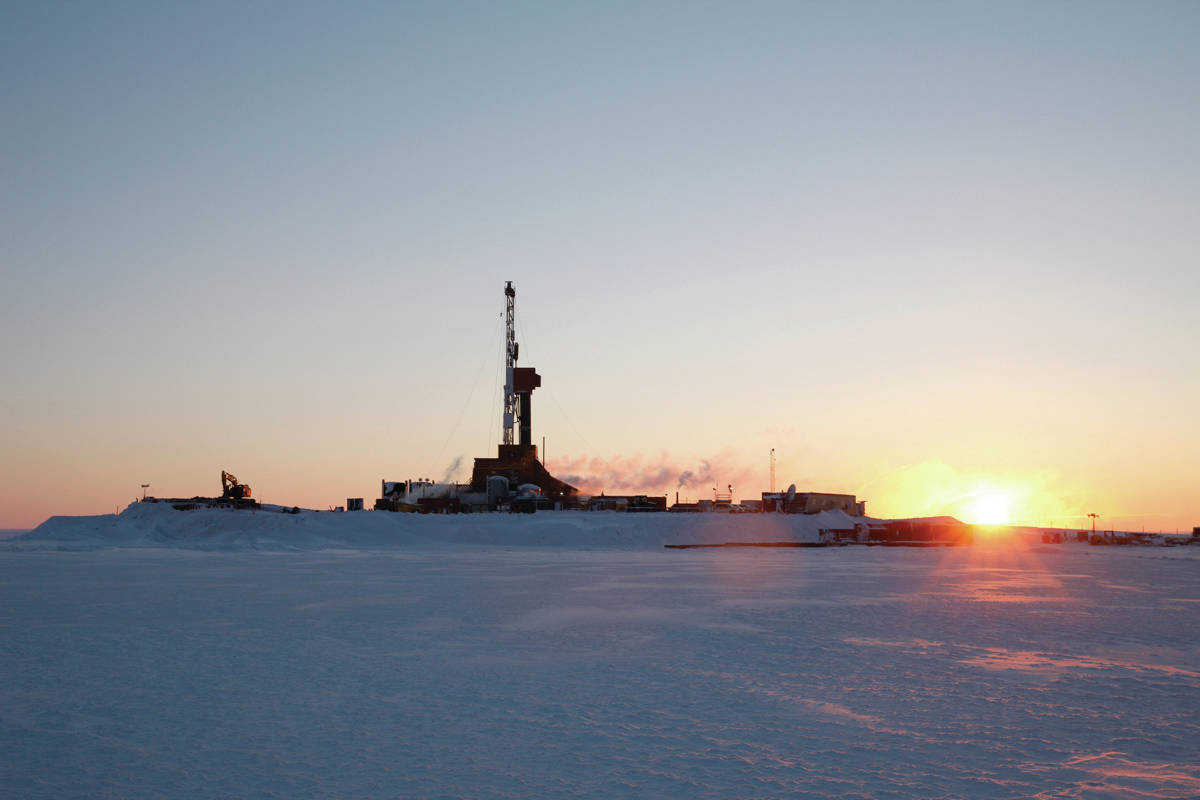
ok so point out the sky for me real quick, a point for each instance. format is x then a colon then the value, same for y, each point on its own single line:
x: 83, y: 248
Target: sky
x: 934, y: 254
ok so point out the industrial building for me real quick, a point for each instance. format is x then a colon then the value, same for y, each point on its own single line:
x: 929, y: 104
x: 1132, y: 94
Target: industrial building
x: 792, y: 502
x: 916, y: 532
x: 627, y: 502
x: 923, y: 530
x: 519, y: 466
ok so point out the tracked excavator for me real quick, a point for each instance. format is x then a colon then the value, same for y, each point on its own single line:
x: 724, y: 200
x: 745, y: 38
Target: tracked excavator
x: 231, y: 489
x: 233, y: 495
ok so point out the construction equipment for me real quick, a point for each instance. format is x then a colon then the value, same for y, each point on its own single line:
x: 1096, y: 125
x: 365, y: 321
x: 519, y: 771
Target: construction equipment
x: 231, y: 489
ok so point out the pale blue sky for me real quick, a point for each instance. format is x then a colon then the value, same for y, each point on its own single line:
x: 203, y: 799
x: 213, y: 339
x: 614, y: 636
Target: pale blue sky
x: 276, y: 235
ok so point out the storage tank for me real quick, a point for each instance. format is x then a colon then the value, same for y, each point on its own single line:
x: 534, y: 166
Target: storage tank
x: 497, y: 489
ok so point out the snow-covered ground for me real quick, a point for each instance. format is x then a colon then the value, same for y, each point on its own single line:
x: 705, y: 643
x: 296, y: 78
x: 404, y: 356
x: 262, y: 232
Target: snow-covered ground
x: 160, y: 525
x: 381, y: 655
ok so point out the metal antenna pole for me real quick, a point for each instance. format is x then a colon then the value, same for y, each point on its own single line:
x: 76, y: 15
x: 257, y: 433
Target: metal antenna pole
x: 772, y: 470
x: 510, y: 361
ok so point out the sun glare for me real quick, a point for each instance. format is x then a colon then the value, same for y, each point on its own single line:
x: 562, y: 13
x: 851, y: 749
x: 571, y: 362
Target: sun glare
x: 990, y: 508
x: 993, y: 500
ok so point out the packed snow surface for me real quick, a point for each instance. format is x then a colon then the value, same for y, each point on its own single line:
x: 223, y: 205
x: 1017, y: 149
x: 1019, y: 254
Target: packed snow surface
x: 160, y: 525
x: 217, y: 659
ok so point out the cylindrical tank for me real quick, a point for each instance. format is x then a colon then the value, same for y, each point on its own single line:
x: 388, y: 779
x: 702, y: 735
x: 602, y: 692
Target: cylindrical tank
x: 497, y: 489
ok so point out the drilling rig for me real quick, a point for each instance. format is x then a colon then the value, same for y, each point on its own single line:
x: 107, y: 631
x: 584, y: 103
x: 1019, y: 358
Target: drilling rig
x: 519, y: 382
x: 517, y: 461
x: 510, y: 361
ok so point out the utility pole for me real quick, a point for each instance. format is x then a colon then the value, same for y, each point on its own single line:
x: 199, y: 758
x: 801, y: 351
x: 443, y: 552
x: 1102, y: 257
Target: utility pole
x: 772, y: 470
x: 510, y: 361
x: 1094, y: 517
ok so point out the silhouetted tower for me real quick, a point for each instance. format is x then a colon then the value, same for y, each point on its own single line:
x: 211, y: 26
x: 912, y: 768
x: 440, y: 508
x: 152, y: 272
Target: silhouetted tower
x: 517, y: 463
x: 510, y: 361
x: 772, y: 470
x: 519, y: 382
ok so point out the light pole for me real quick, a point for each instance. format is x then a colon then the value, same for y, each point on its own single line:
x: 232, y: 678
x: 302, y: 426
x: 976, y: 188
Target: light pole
x: 1094, y: 517
x: 145, y: 486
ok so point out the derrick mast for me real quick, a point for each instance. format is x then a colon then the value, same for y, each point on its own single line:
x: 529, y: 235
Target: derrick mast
x: 516, y: 458
x: 510, y: 361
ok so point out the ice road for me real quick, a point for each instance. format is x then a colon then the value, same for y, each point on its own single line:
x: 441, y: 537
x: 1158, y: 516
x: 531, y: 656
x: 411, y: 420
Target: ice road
x: 486, y: 671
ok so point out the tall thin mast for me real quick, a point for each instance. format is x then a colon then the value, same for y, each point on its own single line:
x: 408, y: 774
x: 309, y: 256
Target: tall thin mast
x: 510, y: 361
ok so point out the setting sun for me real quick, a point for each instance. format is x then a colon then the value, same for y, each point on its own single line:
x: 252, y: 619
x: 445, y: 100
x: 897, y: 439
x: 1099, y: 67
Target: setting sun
x: 989, y: 507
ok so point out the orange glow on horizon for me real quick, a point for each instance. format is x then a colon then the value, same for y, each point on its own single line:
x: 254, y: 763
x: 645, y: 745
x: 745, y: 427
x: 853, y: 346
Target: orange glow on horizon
x: 989, y: 507
x: 934, y: 488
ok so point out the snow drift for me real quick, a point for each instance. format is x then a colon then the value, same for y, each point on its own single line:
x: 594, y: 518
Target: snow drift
x: 160, y: 525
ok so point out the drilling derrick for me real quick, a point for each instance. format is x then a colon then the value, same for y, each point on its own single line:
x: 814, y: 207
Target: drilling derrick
x: 517, y: 458
x: 519, y: 382
x: 510, y: 361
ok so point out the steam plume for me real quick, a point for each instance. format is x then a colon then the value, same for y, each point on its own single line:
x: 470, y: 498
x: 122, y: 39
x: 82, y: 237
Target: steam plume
x: 638, y: 474
x: 452, y: 470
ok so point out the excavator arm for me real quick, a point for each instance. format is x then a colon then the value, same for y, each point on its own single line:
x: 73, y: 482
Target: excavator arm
x: 231, y: 488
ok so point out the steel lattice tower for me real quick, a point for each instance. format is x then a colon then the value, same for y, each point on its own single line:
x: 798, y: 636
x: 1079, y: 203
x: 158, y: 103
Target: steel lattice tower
x: 510, y: 361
